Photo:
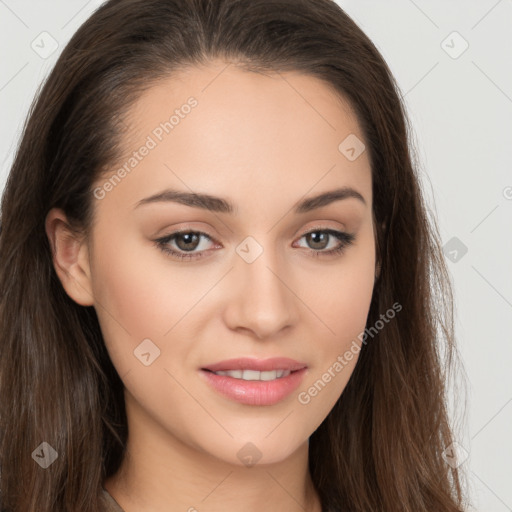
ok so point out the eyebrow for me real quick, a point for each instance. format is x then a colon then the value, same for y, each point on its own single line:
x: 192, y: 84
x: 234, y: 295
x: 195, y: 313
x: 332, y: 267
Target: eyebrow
x: 221, y: 205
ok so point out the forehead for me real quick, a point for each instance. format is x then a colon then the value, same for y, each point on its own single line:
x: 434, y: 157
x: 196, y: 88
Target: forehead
x: 218, y: 126
x: 225, y: 92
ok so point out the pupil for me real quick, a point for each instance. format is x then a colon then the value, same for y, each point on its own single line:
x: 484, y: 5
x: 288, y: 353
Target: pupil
x: 316, y: 236
x: 189, y: 238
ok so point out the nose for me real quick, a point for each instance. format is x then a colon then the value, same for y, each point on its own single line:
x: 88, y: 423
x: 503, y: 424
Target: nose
x: 262, y: 301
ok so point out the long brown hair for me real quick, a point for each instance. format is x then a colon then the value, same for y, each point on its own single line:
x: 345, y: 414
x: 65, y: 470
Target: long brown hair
x: 381, y: 446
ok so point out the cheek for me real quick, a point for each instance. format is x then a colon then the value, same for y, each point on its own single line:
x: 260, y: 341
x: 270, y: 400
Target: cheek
x: 342, y: 297
x: 341, y: 306
x: 137, y: 296
x: 144, y: 306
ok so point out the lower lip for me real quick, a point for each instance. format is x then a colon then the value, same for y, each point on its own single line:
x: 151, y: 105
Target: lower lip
x: 255, y: 392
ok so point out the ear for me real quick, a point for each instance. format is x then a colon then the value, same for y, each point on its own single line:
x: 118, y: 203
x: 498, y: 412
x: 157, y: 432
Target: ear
x: 70, y: 257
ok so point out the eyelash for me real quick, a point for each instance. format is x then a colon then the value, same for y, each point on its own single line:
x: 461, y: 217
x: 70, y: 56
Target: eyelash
x: 346, y: 239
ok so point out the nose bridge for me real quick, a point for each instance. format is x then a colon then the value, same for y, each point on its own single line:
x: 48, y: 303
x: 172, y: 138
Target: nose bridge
x: 262, y: 303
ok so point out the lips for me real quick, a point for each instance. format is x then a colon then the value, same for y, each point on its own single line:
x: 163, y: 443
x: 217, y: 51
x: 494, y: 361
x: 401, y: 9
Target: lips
x: 254, y: 392
x: 252, y: 381
x: 262, y: 365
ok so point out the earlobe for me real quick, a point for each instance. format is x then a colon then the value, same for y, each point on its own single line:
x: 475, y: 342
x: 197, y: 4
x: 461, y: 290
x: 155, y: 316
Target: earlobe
x: 70, y: 257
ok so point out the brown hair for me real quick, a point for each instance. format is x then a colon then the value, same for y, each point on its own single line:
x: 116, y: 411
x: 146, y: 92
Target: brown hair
x: 380, y: 448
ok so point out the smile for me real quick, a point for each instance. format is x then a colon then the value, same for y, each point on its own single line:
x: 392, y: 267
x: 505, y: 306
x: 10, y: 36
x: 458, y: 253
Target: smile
x: 253, y: 387
x: 254, y: 374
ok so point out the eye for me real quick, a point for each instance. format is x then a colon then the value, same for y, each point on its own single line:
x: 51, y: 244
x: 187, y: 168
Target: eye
x: 320, y: 239
x: 187, y: 243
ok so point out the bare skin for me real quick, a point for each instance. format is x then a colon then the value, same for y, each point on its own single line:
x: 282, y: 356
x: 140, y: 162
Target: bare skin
x: 265, y: 143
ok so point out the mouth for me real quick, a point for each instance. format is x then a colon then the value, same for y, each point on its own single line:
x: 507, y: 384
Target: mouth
x: 256, y: 365
x: 255, y: 382
x: 254, y: 374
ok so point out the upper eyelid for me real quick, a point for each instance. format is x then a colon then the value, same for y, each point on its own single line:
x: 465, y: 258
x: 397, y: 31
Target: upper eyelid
x: 176, y: 233
x: 344, y: 238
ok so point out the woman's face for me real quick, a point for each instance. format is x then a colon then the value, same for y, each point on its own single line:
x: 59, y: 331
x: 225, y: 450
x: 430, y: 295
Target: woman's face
x: 253, y: 283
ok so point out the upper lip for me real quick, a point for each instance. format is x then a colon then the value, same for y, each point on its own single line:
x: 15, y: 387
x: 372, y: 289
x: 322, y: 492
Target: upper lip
x: 262, y: 365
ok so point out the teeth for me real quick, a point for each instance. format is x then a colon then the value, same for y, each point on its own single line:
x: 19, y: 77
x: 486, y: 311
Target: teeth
x: 254, y: 374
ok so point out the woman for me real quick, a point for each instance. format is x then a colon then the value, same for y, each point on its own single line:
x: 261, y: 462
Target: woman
x: 220, y: 286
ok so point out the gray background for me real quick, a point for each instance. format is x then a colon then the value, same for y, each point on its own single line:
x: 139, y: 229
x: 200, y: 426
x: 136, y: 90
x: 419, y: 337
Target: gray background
x: 460, y: 103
